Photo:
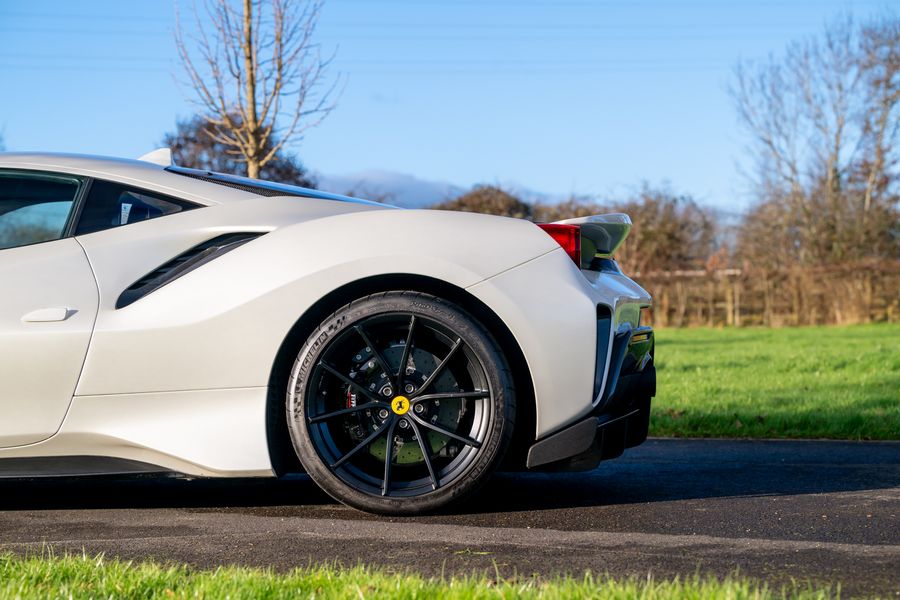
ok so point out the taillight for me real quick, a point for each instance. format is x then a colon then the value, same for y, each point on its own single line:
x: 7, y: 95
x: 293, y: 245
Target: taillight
x: 567, y: 236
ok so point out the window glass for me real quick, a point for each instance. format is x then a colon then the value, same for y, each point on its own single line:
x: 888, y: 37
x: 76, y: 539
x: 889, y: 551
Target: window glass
x: 112, y: 205
x: 34, y: 208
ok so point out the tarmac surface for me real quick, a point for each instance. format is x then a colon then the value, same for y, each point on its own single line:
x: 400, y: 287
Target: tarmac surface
x: 827, y: 512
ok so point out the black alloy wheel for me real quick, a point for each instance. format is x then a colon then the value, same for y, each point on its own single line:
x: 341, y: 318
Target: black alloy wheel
x: 400, y: 403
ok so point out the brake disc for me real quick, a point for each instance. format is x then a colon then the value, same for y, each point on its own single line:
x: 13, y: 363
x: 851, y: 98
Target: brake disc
x: 446, y: 413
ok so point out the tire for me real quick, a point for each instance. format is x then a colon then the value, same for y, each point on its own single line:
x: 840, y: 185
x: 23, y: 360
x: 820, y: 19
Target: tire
x: 449, y: 413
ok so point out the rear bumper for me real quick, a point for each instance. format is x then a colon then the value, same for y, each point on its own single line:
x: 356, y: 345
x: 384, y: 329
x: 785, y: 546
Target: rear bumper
x: 551, y: 308
x: 621, y: 418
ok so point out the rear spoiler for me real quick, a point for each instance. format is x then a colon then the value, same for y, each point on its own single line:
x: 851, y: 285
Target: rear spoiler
x: 601, y: 235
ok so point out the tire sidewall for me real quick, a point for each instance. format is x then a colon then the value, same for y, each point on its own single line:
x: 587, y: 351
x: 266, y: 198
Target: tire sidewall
x: 473, y: 335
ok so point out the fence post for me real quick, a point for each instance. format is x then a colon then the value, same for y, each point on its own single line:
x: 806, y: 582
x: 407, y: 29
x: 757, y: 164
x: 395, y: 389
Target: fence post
x: 729, y: 303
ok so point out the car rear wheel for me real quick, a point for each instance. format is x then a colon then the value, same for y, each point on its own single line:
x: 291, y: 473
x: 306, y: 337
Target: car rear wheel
x: 400, y: 403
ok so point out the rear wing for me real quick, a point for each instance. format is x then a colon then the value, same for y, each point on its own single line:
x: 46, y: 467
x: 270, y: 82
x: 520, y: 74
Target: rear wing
x: 601, y: 235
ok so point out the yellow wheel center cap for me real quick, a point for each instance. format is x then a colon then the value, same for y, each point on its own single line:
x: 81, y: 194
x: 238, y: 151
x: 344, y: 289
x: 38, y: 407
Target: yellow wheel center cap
x: 400, y: 405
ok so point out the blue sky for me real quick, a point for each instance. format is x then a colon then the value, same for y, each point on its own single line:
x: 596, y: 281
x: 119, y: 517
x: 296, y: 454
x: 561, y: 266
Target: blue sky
x: 554, y: 96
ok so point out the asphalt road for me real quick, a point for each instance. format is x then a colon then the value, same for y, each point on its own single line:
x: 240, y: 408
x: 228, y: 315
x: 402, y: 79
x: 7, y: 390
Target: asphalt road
x: 824, y: 511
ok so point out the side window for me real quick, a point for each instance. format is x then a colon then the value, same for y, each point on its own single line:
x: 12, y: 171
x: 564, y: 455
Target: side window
x: 110, y: 205
x: 34, y: 208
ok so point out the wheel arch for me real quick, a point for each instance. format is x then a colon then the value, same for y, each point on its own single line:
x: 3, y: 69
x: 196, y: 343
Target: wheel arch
x: 281, y: 452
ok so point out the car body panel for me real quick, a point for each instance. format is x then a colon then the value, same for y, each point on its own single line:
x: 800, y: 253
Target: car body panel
x: 205, y: 433
x: 133, y: 172
x: 554, y: 326
x: 238, y: 309
x: 180, y: 377
x: 41, y: 356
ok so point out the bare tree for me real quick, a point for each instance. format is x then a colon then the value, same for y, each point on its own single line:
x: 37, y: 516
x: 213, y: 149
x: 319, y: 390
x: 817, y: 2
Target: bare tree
x: 193, y: 146
x: 880, y: 67
x: 257, y: 74
x: 823, y: 120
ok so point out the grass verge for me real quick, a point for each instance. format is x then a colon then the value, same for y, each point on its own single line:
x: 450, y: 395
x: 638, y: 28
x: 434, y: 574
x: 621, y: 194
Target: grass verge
x: 83, y: 577
x: 808, y: 382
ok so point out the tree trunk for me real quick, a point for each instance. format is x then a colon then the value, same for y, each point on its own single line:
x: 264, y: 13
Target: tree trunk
x: 253, y: 149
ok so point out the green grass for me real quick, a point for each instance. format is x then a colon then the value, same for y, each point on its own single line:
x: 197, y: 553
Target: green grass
x: 82, y: 577
x: 809, y: 382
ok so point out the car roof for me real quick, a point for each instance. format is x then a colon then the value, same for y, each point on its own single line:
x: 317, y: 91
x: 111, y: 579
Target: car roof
x: 203, y: 187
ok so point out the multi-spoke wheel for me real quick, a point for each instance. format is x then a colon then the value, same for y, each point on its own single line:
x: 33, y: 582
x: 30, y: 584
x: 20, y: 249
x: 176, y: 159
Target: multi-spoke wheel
x: 400, y: 403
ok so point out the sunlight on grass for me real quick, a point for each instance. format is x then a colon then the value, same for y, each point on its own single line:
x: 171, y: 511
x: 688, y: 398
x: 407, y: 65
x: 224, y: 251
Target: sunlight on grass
x: 808, y: 382
x: 85, y: 577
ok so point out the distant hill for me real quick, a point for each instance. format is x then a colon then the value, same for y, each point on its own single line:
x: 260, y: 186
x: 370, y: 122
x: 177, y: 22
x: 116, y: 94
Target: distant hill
x: 399, y: 189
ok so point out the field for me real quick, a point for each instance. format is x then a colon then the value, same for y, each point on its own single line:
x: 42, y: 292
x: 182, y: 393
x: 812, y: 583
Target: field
x: 83, y: 577
x: 808, y: 382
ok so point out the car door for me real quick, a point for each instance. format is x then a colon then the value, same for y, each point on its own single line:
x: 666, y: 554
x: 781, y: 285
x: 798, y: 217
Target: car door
x: 48, y: 304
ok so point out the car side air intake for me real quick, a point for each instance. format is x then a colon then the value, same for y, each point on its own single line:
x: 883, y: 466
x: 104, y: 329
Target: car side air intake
x: 182, y: 264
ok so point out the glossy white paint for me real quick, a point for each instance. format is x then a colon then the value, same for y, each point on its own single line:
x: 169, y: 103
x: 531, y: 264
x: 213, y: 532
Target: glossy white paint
x: 237, y: 310
x: 202, y: 432
x: 135, y: 172
x: 550, y: 307
x: 41, y: 350
x: 49, y: 315
x: 160, y: 156
x: 179, y: 378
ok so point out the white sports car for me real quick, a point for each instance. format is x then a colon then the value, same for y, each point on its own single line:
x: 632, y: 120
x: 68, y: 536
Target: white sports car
x: 155, y: 318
